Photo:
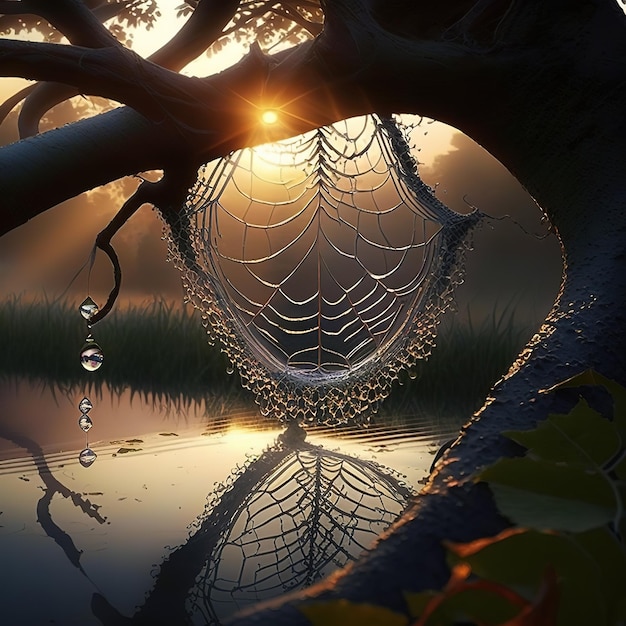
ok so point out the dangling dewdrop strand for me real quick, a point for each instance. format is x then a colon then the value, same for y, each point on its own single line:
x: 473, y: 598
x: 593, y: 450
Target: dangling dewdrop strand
x: 91, y: 358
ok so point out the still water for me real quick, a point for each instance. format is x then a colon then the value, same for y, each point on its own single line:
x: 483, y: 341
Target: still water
x: 183, y: 515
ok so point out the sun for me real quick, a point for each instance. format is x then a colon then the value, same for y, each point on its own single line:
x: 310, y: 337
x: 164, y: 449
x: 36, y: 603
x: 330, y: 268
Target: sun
x: 269, y: 117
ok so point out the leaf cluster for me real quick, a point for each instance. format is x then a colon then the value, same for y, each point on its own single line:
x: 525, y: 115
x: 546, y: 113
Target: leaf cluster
x: 563, y: 562
x: 270, y: 24
x: 124, y: 16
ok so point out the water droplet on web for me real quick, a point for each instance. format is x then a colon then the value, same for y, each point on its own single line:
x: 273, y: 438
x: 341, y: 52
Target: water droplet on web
x: 85, y: 423
x: 87, y: 457
x: 88, y: 308
x: 85, y: 405
x: 91, y: 356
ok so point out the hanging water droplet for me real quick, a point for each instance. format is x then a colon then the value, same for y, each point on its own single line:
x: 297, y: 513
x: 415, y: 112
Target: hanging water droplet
x: 85, y: 423
x: 91, y: 356
x: 88, y: 308
x: 87, y: 457
x: 84, y: 406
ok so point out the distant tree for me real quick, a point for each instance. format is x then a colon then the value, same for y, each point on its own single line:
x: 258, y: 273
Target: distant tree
x: 541, y: 84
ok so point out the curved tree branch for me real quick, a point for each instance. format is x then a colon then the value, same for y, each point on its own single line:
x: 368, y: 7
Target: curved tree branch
x: 199, y: 32
x: 12, y: 101
x: 313, y: 84
x: 202, y: 29
x: 167, y: 194
x: 38, y: 101
x: 82, y: 27
x: 113, y: 72
x: 74, y: 20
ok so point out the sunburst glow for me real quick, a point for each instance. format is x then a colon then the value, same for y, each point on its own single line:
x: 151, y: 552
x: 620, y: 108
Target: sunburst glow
x: 269, y: 117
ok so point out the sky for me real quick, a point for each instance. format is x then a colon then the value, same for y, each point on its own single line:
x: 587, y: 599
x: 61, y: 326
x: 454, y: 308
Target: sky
x: 510, y: 262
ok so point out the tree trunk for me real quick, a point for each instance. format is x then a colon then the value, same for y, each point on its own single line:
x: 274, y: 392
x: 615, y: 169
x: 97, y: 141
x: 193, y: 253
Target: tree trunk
x: 561, y: 132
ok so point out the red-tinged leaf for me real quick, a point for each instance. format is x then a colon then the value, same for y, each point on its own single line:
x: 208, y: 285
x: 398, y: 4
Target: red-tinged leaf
x: 464, y: 550
x: 484, y: 602
x: 519, y: 560
x: 544, y: 611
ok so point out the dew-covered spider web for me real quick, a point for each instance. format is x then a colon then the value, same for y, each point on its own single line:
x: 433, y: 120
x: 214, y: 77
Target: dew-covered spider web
x: 311, y: 513
x: 321, y: 265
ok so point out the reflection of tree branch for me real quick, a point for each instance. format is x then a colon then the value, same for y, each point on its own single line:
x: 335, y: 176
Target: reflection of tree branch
x: 60, y: 537
x: 52, y: 486
x: 47, y: 477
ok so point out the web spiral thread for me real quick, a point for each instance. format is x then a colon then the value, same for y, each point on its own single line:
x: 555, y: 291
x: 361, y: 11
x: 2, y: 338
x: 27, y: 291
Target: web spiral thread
x: 321, y: 266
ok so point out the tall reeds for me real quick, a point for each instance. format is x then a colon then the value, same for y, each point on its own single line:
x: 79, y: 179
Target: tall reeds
x: 161, y: 352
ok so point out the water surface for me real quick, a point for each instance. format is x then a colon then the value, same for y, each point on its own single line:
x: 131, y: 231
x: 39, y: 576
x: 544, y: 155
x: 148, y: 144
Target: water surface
x: 176, y: 494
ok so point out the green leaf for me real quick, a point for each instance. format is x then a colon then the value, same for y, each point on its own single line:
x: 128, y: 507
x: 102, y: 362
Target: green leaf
x: 581, y: 437
x: 473, y: 605
x: 417, y: 602
x: 591, y: 377
x: 620, y: 467
x: 542, y: 494
x: 609, y: 559
x: 519, y: 560
x: 569, y: 478
x: 344, y: 613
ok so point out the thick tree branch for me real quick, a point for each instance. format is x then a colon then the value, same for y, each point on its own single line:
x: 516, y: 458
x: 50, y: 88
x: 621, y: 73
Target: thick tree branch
x: 75, y: 20
x: 39, y: 99
x: 313, y: 84
x: 114, y: 73
x: 202, y: 29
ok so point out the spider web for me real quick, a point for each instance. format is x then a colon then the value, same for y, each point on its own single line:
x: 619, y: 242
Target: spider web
x: 322, y: 265
x: 314, y: 513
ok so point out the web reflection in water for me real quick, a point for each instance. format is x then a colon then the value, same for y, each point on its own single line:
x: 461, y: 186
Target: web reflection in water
x: 313, y: 512
x: 283, y: 521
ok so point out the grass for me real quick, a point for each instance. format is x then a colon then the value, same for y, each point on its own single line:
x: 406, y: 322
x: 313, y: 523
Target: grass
x: 162, y: 354
x: 467, y: 360
x: 155, y: 350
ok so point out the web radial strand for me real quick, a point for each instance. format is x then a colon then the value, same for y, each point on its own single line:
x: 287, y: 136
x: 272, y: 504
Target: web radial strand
x: 321, y: 263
